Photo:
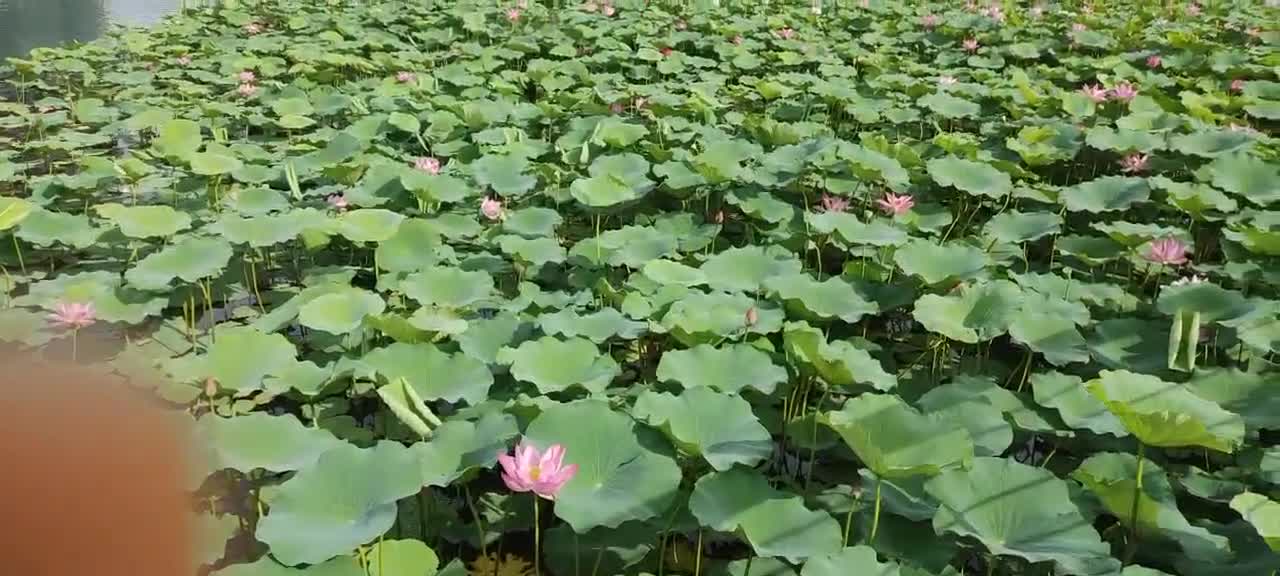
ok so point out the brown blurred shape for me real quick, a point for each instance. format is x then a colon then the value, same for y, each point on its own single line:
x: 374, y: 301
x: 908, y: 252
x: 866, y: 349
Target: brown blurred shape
x: 91, y: 477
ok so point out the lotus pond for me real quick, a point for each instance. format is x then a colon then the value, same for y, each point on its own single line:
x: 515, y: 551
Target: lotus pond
x: 868, y: 288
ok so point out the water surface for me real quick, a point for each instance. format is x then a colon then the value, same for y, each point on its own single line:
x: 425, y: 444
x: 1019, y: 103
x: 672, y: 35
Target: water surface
x: 27, y: 24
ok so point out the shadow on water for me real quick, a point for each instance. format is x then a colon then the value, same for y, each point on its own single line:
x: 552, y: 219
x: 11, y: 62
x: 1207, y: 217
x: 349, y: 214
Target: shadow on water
x: 28, y: 24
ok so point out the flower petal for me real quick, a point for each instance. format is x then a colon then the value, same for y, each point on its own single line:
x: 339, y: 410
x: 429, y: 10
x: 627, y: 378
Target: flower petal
x: 514, y: 483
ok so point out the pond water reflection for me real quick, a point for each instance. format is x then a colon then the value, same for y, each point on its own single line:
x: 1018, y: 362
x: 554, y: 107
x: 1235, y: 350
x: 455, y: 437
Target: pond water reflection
x: 27, y: 24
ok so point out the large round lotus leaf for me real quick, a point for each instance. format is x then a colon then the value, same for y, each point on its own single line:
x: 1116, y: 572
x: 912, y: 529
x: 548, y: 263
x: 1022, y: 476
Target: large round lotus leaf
x: 840, y: 363
x: 214, y: 163
x: 1017, y: 227
x: 25, y: 326
x: 990, y: 433
x: 775, y: 523
x: 265, y: 566
x: 868, y: 163
x: 602, y: 191
x: 413, y: 247
x: 1111, y: 477
x: 178, y: 139
x: 1093, y: 250
x: 1257, y: 180
x: 259, y: 440
x: 702, y: 422
x: 673, y: 273
x: 1106, y: 194
x: 401, y: 558
x: 1165, y: 414
x: 1263, y: 513
x: 45, y: 227
x: 102, y: 289
x: 1053, y: 335
x: 534, y: 251
x: 619, y: 477
x: 435, y: 187
x: 859, y: 560
x: 880, y: 232
x: 145, y: 221
x: 448, y: 287
x: 263, y: 231
x: 554, y: 365
x: 1212, y: 143
x: 241, y: 357
x: 949, y: 106
x: 1211, y: 301
x: 699, y: 318
x: 1019, y: 510
x: 630, y: 246
x: 935, y: 263
x: 1199, y: 200
x: 1253, y: 395
x: 1078, y: 408
x: 340, y: 312
x: 894, y: 440
x: 189, y: 260
x: 1123, y: 140
x: 746, y: 269
x: 337, y: 504
x: 486, y: 336
x: 605, y: 550
x: 972, y: 177
x: 597, y: 326
x: 532, y: 222
x: 832, y: 298
x: 1132, y: 344
x: 433, y: 374
x: 979, y: 312
x: 369, y: 224
x: 458, y: 446
x: 728, y: 369
x: 1132, y: 235
x: 504, y: 173
x: 984, y: 389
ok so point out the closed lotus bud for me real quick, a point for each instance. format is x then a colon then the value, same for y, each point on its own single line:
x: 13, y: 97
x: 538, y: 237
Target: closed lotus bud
x: 752, y: 316
x: 210, y: 387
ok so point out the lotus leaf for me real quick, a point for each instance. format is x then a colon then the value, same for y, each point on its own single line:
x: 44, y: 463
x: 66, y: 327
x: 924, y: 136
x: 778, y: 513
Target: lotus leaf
x: 1165, y: 414
x: 729, y: 369
x: 774, y: 523
x: 702, y: 422
x: 554, y: 365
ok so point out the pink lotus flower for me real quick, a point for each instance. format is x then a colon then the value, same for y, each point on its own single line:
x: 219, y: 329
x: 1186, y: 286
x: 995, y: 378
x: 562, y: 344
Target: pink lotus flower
x: 1134, y: 163
x: 895, y: 204
x: 1153, y: 61
x: 786, y: 33
x: 1079, y: 27
x: 184, y: 60
x: 930, y: 21
x: 513, y: 14
x: 616, y: 108
x: 1167, y: 250
x: 247, y: 90
x: 427, y: 164
x: 971, y: 44
x: 1124, y: 91
x: 252, y: 28
x: 491, y: 208
x: 247, y: 76
x: 665, y: 50
x: 338, y: 202
x: 995, y: 13
x: 74, y: 315
x: 1237, y: 85
x: 542, y: 473
x: 718, y: 217
x: 607, y: 10
x: 1094, y: 92
x: 834, y: 203
x: 406, y: 77
x: 946, y: 80
x: 1193, y: 9
x: 752, y: 316
x: 737, y: 39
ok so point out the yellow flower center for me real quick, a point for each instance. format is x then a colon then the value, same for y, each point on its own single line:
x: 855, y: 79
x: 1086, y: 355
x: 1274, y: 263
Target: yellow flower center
x: 534, y: 473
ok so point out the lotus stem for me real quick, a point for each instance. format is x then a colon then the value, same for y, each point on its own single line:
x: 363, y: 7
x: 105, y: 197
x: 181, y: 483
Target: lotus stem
x: 848, y: 520
x: 1133, y: 508
x: 697, y: 559
x: 17, y: 249
x: 599, y: 556
x: 537, y: 539
x: 75, y: 333
x: 875, y: 517
x: 471, y: 503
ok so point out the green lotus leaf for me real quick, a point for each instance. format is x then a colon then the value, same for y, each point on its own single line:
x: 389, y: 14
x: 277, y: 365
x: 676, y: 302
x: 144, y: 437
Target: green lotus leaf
x: 1199, y: 200
x: 608, y: 550
x: 728, y: 369
x: 178, y: 139
x: 990, y: 433
x: 402, y: 557
x: 630, y: 246
x: 1093, y: 250
x: 1075, y: 290
x: 448, y: 287
x: 1252, y: 395
x: 24, y: 326
x: 852, y: 560
x: 978, y: 178
x: 702, y: 422
x: 369, y: 225
x: 746, y: 269
x: 1132, y: 344
x: 213, y: 163
x: 433, y: 374
x: 621, y: 474
x: 260, y: 201
x: 1257, y: 180
x: 335, y: 505
x: 854, y: 231
x: 242, y: 357
x: 832, y: 298
x: 602, y: 191
x: 840, y: 363
x: 265, y: 566
x: 554, y: 365
x: 1123, y: 140
x: 535, y: 251
x: 699, y: 318
x: 598, y: 326
x: 459, y: 446
x: 413, y: 247
x: 935, y: 263
x: 340, y: 312
x: 1111, y: 477
x: 189, y: 260
x: 1019, y: 510
x: 978, y: 312
x: 262, y: 441
x: 1212, y: 143
x: 949, y: 106
x: 144, y: 221
x: 867, y: 163
x: 1106, y: 194
x: 504, y: 173
x: 13, y: 211
x: 965, y: 389
x: 1078, y: 408
x: 532, y: 222
x: 896, y: 441
x: 1017, y: 227
x: 1133, y: 235
x: 1051, y: 334
x: 674, y: 273
x: 263, y: 231
x: 1263, y: 513
x: 775, y: 523
x: 435, y: 187
x: 485, y: 336
x: 1165, y: 414
x: 1252, y: 554
x: 44, y: 227
x: 1211, y: 301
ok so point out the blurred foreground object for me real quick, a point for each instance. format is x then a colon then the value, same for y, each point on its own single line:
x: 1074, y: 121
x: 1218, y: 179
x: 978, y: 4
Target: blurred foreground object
x: 92, y: 480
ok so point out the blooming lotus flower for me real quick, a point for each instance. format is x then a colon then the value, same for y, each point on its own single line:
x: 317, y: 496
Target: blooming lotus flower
x: 786, y: 33
x: 971, y: 44
x: 427, y: 164
x: 1167, y: 250
x: 946, y: 80
x: 491, y: 208
x: 1153, y: 61
x: 834, y: 203
x: 513, y: 14
x: 338, y: 202
x: 737, y: 39
x: 1193, y: 9
x: 543, y: 473
x: 1079, y: 27
x: 1094, y: 92
x: 184, y: 60
x: 1237, y: 85
x: 930, y: 21
x: 1124, y: 91
x: 894, y: 204
x: 247, y: 90
x: 74, y: 315
x: 995, y: 13
x: 247, y: 76
x: 406, y: 77
x: 1134, y: 163
x: 252, y: 28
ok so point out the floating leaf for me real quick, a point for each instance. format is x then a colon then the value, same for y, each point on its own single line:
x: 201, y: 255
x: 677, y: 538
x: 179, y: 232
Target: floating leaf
x: 702, y: 422
x: 554, y: 365
x: 1165, y: 414
x: 728, y: 369
x: 895, y: 441
x: 774, y: 523
x: 968, y: 176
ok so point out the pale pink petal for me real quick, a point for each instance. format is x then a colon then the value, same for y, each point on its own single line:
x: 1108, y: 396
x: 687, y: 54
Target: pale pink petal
x: 514, y: 484
x: 551, y: 459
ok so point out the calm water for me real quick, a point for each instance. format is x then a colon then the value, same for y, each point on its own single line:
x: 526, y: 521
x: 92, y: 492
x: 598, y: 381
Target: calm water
x: 27, y: 24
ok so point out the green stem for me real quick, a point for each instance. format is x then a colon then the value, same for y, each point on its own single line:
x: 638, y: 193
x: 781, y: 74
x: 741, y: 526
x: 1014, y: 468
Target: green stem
x: 471, y: 503
x: 75, y: 333
x: 697, y: 561
x: 875, y: 517
x: 537, y: 539
x: 848, y: 520
x: 18, y: 250
x: 1133, y: 509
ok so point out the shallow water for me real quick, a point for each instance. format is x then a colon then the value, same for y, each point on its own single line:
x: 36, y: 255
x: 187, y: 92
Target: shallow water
x: 27, y: 24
